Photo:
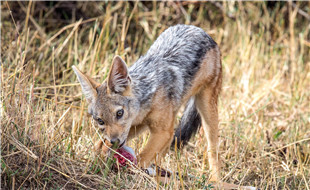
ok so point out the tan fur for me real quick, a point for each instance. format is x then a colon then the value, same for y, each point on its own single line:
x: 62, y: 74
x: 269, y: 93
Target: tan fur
x: 160, y: 122
x: 207, y: 85
x: 207, y: 74
x: 207, y: 107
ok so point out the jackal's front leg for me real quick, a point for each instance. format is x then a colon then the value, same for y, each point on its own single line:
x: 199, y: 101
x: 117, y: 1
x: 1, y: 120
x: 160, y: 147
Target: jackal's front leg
x: 161, y: 136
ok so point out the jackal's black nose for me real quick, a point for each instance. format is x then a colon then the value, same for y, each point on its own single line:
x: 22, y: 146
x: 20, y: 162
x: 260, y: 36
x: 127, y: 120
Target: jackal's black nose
x: 115, y: 141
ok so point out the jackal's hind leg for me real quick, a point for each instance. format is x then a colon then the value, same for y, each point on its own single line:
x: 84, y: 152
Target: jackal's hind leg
x: 206, y: 102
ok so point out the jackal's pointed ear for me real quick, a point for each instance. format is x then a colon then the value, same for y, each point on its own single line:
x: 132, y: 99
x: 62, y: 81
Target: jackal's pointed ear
x: 118, y: 80
x: 88, y: 84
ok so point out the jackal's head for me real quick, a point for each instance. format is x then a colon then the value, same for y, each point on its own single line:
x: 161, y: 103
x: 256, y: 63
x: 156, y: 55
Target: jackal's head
x: 111, y: 103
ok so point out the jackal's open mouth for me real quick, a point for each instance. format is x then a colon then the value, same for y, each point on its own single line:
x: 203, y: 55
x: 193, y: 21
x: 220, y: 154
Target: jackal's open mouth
x: 121, y: 145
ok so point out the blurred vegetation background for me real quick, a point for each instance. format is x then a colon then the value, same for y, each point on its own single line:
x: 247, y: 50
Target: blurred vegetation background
x: 47, y: 137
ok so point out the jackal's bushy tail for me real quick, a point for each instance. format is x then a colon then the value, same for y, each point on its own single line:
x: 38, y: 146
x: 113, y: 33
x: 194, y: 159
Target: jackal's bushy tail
x: 188, y: 126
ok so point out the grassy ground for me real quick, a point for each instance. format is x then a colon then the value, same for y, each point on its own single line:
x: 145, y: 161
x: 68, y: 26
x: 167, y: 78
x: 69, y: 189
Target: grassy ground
x: 46, y: 135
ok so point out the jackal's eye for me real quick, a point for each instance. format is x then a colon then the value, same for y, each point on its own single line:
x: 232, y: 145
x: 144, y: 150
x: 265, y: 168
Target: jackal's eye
x: 100, y: 121
x: 119, y: 113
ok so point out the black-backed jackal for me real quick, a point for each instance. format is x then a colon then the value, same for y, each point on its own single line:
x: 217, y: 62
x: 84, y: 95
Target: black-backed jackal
x: 182, y: 66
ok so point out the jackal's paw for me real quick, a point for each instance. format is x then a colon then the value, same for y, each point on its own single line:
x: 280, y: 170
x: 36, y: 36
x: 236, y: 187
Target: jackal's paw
x: 143, y: 162
x: 101, y: 149
x: 97, y: 147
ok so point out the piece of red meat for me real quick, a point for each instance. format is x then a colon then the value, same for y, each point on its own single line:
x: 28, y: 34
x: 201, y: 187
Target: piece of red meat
x: 121, y: 160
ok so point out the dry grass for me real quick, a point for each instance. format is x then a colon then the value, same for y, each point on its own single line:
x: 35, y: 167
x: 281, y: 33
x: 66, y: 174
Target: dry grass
x: 47, y: 138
